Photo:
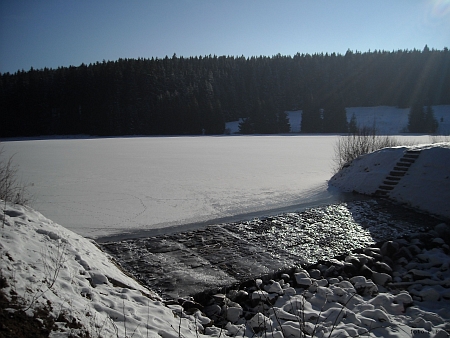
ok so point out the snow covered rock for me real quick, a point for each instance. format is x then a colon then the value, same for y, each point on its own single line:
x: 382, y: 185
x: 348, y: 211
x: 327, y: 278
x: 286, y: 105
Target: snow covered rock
x: 274, y: 287
x: 381, y: 278
x: 314, y: 273
x: 259, y: 322
x: 233, y: 313
x: 363, y: 286
x: 260, y: 295
x: 443, y: 230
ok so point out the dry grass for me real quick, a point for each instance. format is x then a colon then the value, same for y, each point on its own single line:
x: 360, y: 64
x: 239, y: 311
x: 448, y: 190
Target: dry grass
x: 11, y: 188
x: 364, y: 141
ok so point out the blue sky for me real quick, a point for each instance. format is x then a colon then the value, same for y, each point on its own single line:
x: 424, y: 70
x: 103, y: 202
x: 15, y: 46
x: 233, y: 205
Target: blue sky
x: 52, y: 33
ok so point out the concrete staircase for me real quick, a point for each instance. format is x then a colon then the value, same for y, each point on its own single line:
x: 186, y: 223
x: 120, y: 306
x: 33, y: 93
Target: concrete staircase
x: 400, y: 169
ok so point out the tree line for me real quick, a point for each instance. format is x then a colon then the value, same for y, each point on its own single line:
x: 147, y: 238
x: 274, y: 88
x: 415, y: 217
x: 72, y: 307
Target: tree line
x: 195, y: 95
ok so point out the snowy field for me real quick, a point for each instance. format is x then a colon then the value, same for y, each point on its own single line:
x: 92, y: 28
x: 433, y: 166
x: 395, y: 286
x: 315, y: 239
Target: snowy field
x: 106, y: 186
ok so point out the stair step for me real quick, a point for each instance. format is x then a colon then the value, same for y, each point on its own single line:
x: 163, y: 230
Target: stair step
x: 400, y: 169
x: 392, y: 178
x: 397, y: 173
x: 407, y: 160
x: 412, y: 154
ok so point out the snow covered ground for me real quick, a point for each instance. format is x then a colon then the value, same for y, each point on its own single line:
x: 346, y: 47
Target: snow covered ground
x: 62, y: 278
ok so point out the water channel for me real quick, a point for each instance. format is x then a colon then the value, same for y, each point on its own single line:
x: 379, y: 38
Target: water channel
x: 179, y: 264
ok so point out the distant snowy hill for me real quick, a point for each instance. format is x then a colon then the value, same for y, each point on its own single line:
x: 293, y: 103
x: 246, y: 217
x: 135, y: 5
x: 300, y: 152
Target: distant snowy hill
x: 386, y: 120
x: 392, y: 120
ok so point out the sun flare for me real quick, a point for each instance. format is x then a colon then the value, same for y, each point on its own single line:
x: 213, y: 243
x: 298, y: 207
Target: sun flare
x: 437, y: 13
x: 440, y: 8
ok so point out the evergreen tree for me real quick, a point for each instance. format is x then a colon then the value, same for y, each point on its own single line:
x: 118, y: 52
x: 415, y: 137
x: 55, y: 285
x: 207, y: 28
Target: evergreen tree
x: 246, y: 126
x: 283, y: 123
x: 335, y: 116
x: 353, y: 125
x: 311, y: 117
x: 416, y: 117
x: 430, y: 122
x: 186, y: 95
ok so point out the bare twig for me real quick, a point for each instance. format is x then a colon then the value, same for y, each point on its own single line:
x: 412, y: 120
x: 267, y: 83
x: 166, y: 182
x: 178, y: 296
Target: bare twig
x: 362, y: 142
x: 11, y: 189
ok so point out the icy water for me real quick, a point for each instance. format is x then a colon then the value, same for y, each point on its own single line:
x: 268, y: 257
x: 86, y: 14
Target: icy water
x: 207, y: 258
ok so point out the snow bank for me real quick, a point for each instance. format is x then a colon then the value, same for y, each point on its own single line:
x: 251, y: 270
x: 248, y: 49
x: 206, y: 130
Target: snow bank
x: 425, y: 185
x: 46, y: 266
x: 295, y: 120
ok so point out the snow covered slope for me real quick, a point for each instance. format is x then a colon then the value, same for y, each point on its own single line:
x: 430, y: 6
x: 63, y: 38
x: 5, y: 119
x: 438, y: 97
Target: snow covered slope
x: 45, y: 266
x: 420, y: 180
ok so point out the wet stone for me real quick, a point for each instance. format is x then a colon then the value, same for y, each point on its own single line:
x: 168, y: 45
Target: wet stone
x: 183, y: 264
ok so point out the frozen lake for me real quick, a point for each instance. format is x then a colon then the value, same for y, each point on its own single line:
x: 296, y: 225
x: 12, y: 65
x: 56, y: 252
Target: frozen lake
x: 107, y: 186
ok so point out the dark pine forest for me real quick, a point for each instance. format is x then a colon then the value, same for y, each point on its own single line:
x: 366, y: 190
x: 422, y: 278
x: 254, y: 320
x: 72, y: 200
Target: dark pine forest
x: 195, y: 95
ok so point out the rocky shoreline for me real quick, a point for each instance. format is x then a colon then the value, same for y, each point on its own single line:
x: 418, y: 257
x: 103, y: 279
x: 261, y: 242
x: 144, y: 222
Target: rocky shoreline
x: 353, y: 294
x: 349, y: 268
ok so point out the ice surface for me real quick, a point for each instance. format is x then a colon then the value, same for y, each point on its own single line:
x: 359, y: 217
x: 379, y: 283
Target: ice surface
x: 106, y: 186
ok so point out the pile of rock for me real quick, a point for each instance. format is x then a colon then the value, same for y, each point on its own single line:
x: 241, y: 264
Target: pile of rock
x: 394, y: 285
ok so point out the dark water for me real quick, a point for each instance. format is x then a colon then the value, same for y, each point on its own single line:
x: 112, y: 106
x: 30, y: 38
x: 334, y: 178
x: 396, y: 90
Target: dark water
x: 188, y: 262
